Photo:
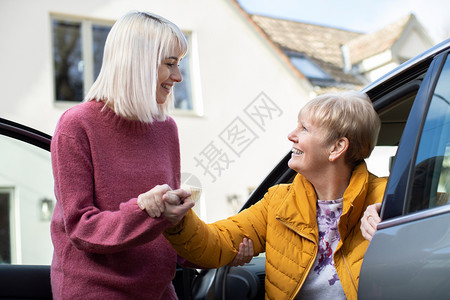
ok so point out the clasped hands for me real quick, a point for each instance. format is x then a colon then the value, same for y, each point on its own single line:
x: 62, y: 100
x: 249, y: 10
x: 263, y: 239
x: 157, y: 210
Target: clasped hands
x: 161, y: 199
x: 174, y: 204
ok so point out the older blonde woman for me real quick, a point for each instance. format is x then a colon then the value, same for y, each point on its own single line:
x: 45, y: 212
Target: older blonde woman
x: 310, y: 229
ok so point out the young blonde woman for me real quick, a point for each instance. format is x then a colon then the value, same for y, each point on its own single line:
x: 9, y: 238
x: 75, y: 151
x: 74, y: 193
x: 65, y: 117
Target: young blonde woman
x: 117, y: 146
x: 310, y: 229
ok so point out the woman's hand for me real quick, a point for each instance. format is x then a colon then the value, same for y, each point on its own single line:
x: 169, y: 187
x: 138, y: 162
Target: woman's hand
x: 370, y: 220
x: 152, y: 201
x: 245, y: 253
x: 177, y: 204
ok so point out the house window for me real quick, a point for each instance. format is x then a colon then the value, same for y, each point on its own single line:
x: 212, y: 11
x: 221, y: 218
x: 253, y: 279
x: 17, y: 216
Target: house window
x: 182, y: 90
x: 5, y: 229
x: 307, y: 67
x: 77, y: 57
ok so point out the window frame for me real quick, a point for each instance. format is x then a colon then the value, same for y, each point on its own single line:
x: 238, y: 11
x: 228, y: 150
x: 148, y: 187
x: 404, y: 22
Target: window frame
x: 429, y: 155
x: 34, y: 139
x: 194, y: 78
x: 14, y: 239
x: 87, y: 50
x: 393, y: 208
x: 87, y: 56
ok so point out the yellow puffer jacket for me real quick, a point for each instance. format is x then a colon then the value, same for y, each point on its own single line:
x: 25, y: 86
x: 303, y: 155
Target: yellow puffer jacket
x: 283, y: 224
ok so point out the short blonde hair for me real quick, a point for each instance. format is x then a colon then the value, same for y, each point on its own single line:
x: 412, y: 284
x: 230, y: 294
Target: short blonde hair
x: 134, y: 49
x: 347, y: 114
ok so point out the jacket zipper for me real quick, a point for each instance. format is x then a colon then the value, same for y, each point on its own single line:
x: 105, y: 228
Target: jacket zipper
x: 349, y: 274
x: 299, y: 286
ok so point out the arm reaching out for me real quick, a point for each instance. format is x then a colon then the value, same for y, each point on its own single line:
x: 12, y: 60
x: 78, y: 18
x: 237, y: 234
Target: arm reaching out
x: 175, y: 205
x: 370, y: 220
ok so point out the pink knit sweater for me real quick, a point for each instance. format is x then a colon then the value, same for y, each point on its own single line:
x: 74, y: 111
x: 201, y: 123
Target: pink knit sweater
x: 105, y: 247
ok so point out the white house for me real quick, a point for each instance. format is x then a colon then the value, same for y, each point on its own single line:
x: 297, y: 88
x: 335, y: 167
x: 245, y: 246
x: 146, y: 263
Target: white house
x: 237, y: 104
x: 244, y: 98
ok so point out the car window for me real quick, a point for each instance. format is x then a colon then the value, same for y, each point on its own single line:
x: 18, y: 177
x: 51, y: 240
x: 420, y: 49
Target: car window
x: 380, y: 161
x: 26, y: 203
x: 431, y: 178
x: 393, y: 111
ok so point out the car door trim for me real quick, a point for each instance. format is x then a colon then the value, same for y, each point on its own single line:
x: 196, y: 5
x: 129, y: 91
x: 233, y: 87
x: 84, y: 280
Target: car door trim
x: 414, y: 216
x: 25, y: 134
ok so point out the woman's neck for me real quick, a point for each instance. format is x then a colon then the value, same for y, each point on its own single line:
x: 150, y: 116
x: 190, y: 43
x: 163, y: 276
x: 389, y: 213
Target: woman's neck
x: 332, y: 184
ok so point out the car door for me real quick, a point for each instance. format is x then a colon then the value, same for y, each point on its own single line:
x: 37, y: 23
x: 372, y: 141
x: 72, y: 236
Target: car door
x: 409, y: 256
x: 26, y: 203
x: 26, y: 206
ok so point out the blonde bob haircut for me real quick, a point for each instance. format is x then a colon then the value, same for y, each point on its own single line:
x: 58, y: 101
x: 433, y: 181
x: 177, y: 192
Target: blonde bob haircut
x: 350, y: 115
x: 134, y: 49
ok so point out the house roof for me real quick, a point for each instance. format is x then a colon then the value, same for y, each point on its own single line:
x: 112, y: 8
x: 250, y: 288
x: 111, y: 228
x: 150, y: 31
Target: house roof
x: 316, y: 41
x: 323, y: 45
x: 367, y: 45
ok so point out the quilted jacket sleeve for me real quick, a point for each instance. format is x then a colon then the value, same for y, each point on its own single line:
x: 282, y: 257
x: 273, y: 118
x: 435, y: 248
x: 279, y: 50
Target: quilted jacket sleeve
x: 215, y: 245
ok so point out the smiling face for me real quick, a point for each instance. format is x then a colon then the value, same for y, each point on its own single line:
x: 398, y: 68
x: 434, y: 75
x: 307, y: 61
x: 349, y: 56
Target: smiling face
x: 168, y: 73
x: 310, y: 152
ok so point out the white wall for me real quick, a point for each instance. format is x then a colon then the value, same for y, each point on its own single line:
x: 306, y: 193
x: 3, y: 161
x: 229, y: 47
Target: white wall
x: 414, y: 44
x: 26, y: 171
x: 234, y: 63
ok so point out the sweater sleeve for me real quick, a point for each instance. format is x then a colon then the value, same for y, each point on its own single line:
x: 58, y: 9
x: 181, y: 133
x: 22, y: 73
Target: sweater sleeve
x: 215, y: 245
x: 89, y: 228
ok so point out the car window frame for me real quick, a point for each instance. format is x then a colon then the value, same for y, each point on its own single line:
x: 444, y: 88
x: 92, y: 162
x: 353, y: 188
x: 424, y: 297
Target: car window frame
x: 26, y: 134
x: 37, y: 141
x: 398, y: 185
